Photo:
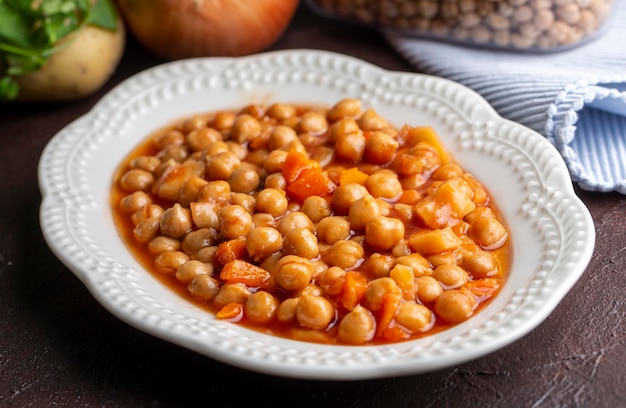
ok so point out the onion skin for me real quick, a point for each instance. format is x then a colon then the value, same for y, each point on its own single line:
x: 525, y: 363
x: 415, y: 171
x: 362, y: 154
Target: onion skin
x: 177, y: 29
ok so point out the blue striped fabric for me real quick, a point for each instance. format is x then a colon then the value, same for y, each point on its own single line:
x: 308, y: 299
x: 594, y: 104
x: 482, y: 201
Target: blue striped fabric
x: 575, y: 98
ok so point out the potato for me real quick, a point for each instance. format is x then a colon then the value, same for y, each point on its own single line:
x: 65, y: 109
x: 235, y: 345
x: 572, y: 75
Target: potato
x: 77, y: 71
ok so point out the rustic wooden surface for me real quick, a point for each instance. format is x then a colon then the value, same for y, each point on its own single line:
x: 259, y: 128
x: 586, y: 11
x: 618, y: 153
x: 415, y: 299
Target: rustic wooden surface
x: 59, y: 347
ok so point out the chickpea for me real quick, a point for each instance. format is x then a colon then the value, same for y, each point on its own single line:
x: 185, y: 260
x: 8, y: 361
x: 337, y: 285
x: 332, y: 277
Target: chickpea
x: 455, y: 306
x: 276, y: 181
x: 442, y: 258
x: 161, y: 244
x: 235, y: 221
x: 480, y: 264
x: 370, y: 120
x: 314, y: 312
x: 331, y: 280
x: 380, y: 148
x: 313, y: 123
x: 316, y: 208
x: 428, y: 289
x: 232, y: 293
x: 379, y: 265
x: 450, y: 276
x: 274, y: 161
x: 245, y: 128
x: 192, y: 268
x: 333, y: 229
x: 244, y: 180
x: 262, y: 242
x: 344, y: 254
x: 246, y: 201
x: 384, y: 184
x: 221, y: 165
x: 223, y: 120
x: 447, y: 171
x: 147, y: 163
x: 191, y: 190
x: 379, y: 288
x: 294, y: 220
x: 137, y: 180
x: 217, y: 191
x: 488, y: 232
x: 281, y: 111
x: 357, y: 327
x: 261, y: 307
x: 145, y: 212
x: 272, y: 201
x: 414, y: 317
x: 342, y: 127
x: 263, y: 220
x: 202, y: 138
x: 205, y: 254
x: 169, y: 262
x: 348, y: 107
x: 362, y: 211
x: 281, y: 136
x: 204, y: 286
x: 178, y: 153
x: 286, y: 312
x: 169, y: 138
x: 345, y: 195
x: 384, y: 232
x: 133, y: 202
x: 194, y: 123
x: 147, y: 229
x: 176, y: 221
x: 350, y: 146
x: 301, y: 242
x: 204, y: 214
x: 419, y: 264
x: 293, y: 272
x: 198, y: 239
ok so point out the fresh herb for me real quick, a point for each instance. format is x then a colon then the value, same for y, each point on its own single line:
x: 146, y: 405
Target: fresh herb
x: 33, y: 30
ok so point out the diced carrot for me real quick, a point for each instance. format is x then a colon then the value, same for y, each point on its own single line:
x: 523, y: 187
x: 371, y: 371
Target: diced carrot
x: 395, y: 333
x: 232, y: 312
x: 305, y: 177
x: 404, y: 277
x: 231, y: 250
x: 352, y: 175
x: 354, y: 285
x: 294, y: 164
x: 390, y: 303
x: 239, y: 271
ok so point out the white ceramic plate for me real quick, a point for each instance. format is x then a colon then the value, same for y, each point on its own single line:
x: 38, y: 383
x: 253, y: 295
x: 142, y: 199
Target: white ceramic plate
x: 552, y: 231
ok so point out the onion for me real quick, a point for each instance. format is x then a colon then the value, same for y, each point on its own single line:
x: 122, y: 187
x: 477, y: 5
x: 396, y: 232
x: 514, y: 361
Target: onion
x: 175, y: 29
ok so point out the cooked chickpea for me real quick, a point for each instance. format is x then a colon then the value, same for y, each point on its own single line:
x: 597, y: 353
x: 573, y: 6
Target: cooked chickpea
x: 205, y: 254
x: 379, y: 265
x: 428, y: 289
x: 276, y: 181
x: 342, y: 127
x: 245, y: 128
x: 286, y: 312
x: 281, y: 136
x: 345, y: 195
x: 274, y: 161
x: 301, y: 242
x: 134, y: 201
x: 447, y: 171
x: 376, y: 291
x: 263, y: 220
x: 147, y: 229
x: 348, y: 107
x: 221, y: 165
x: 223, y: 120
x: 316, y: 208
x: 357, y: 327
x: 145, y: 212
x: 384, y: 232
x: 244, y: 179
x: 281, y: 111
x: 384, y: 184
x: 176, y: 221
x: 350, y: 146
x: 481, y: 264
x: 414, y: 317
x: 137, y: 180
x: 314, y: 312
x: 204, y: 286
x: 169, y: 262
x: 344, y: 254
x: 371, y: 120
x: 313, y: 122
x: 331, y: 280
x: 232, y: 293
x: 293, y: 220
x: 198, y: 239
x: 217, y: 191
x: 202, y: 138
x: 147, y: 163
x: 161, y: 244
x: 261, y: 307
x: 454, y: 306
x: 380, y: 147
x: 247, y: 201
x: 450, y: 276
x: 488, y: 232
x: 178, y: 153
x: 169, y: 138
x: 204, y: 214
x: 417, y: 262
x: 333, y: 229
x: 192, y: 268
x: 362, y: 211
x: 271, y: 201
x: 235, y: 221
x: 293, y: 272
x: 263, y: 241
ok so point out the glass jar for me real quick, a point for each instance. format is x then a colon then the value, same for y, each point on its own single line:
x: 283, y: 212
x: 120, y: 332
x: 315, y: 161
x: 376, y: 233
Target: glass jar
x: 530, y: 25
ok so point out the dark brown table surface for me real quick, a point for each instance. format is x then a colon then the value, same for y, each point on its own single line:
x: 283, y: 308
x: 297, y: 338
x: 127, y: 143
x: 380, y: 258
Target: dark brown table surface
x: 59, y: 347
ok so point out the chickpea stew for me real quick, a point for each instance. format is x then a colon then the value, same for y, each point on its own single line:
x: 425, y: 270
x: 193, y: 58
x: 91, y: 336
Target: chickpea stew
x: 320, y: 224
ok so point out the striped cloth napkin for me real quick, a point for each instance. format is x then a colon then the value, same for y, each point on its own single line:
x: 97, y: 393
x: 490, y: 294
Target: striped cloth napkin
x: 575, y: 98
